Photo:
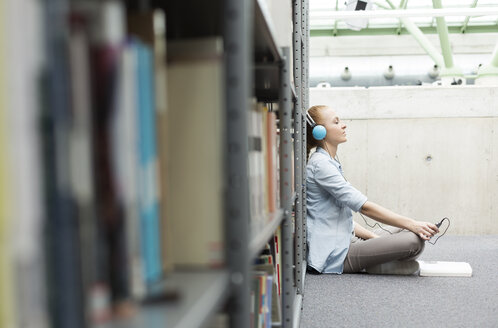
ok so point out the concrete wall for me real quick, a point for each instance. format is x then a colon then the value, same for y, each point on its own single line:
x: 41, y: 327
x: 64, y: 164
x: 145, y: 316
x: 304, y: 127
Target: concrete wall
x: 424, y: 152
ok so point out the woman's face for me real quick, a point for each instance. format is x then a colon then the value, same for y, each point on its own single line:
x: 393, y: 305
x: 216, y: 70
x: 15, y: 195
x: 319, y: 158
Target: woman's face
x: 336, y: 129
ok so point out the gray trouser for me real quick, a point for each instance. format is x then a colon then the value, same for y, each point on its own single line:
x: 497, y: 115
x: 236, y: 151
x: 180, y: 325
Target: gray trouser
x: 401, y: 245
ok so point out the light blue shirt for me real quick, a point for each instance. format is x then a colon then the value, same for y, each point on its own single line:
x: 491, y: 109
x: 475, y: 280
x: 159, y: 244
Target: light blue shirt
x: 329, y: 201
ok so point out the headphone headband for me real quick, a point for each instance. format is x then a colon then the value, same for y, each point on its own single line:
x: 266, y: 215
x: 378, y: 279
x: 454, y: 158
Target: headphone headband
x: 310, y: 120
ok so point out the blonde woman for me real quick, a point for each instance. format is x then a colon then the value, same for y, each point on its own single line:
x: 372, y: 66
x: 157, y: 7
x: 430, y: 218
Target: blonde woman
x: 335, y: 243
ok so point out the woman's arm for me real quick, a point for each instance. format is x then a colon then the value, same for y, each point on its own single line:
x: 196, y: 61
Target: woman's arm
x: 363, y: 233
x: 423, y: 229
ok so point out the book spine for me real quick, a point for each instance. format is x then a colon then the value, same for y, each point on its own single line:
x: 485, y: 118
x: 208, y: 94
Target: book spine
x: 194, y: 201
x: 81, y: 156
x: 263, y: 110
x: 262, y: 302
x: 255, y: 168
x: 150, y: 28
x: 62, y: 231
x: 271, y: 134
x: 278, y: 258
x: 126, y: 141
x: 269, y: 291
x: 7, y: 297
x: 149, y: 206
x: 107, y: 37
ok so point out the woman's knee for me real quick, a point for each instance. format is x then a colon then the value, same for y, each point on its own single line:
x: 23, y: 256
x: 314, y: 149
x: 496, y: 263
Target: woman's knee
x: 415, y: 244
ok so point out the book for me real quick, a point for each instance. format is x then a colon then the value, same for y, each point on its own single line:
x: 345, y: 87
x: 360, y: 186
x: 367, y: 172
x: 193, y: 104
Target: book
x: 273, y: 305
x: 106, y: 24
x: 81, y: 158
x: 125, y: 132
x: 264, y: 176
x: 148, y: 165
x: 262, y: 289
x: 255, y: 167
x: 7, y: 298
x: 444, y: 269
x: 271, y: 160
x: 256, y: 301
x: 23, y: 64
x: 196, y: 121
x: 270, y: 291
x: 62, y: 255
x: 150, y: 27
x: 135, y: 165
x: 278, y: 259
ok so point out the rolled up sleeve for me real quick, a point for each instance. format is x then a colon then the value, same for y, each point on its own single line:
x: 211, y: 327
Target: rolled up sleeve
x: 330, y: 178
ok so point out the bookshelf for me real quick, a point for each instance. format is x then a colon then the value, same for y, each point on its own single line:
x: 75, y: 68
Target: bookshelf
x: 201, y: 294
x: 252, y: 65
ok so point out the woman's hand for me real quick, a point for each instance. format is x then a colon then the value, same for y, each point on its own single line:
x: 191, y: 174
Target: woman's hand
x: 424, y: 230
x: 363, y: 233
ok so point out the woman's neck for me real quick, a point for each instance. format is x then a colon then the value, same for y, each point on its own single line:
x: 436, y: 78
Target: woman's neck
x: 331, y: 149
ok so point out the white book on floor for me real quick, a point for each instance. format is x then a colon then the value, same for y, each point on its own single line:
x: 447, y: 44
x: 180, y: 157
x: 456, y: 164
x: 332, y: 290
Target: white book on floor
x: 444, y: 269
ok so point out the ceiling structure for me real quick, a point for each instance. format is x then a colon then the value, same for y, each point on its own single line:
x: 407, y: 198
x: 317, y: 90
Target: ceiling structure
x: 407, y: 42
x: 320, y: 25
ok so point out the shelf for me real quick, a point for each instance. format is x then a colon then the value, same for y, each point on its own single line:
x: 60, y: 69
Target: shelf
x: 265, y: 46
x: 260, y: 238
x: 267, y: 82
x: 200, y: 295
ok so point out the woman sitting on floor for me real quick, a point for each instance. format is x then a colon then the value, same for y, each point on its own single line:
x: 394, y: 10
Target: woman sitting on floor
x: 335, y: 243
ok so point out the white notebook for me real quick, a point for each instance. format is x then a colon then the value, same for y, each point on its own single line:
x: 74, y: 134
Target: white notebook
x: 444, y: 269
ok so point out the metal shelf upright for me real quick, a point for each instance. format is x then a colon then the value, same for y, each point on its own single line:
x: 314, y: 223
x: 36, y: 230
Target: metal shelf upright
x: 298, y: 146
x: 237, y: 36
x: 304, y: 104
x: 288, y: 289
x: 305, y: 86
x: 301, y: 55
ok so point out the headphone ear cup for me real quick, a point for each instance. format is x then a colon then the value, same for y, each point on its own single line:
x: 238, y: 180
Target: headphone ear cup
x: 319, y: 132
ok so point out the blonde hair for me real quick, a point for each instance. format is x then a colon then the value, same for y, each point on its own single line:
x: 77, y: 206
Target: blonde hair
x: 314, y: 112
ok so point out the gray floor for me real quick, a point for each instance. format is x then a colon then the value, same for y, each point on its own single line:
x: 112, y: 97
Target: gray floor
x: 362, y: 300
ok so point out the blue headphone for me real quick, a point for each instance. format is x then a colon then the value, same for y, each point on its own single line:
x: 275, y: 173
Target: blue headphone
x: 319, y: 131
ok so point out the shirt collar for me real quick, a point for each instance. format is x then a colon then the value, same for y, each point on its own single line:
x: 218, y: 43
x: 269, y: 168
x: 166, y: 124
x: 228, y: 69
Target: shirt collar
x: 323, y: 151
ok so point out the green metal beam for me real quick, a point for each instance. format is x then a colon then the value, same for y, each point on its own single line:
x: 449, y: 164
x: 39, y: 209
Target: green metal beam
x: 419, y: 36
x: 464, y: 26
x: 392, y: 31
x: 336, y: 21
x: 442, y: 28
x: 391, y: 4
x: 402, y: 5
